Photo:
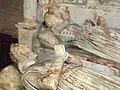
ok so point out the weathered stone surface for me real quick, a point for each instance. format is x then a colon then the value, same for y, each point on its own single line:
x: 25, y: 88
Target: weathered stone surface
x: 26, y: 37
x: 22, y: 56
x: 48, y: 38
x: 84, y: 79
x: 10, y: 78
x: 30, y: 10
x: 109, y: 11
x: 81, y: 78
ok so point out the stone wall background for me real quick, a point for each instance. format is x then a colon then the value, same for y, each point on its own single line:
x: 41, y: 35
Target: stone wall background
x: 11, y: 12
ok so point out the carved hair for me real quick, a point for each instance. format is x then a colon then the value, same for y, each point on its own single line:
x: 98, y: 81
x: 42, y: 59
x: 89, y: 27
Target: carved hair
x: 21, y: 52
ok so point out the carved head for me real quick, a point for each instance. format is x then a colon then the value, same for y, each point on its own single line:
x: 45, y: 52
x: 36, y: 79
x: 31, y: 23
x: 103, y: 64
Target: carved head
x: 21, y: 52
x: 23, y: 56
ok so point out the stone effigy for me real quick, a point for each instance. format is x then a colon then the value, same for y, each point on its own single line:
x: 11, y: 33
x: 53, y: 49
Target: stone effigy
x: 89, y: 36
x: 58, y: 71
x: 40, y: 72
x: 49, y: 66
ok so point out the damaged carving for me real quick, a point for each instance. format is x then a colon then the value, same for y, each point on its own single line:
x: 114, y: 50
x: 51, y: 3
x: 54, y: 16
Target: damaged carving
x: 55, y: 63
